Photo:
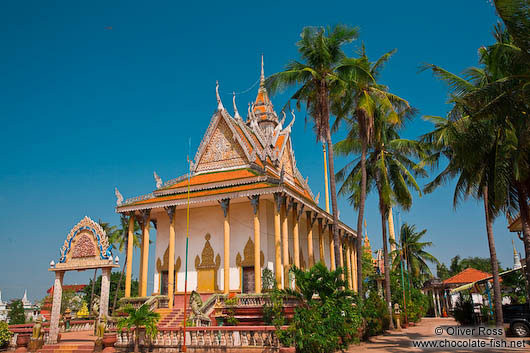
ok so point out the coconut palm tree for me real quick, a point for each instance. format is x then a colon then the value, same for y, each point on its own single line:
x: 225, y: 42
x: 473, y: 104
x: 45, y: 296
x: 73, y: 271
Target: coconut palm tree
x: 359, y: 96
x: 119, y: 240
x: 412, y: 250
x: 503, y: 99
x: 137, y: 319
x: 316, y: 79
x: 109, y: 230
x: 477, y: 153
x: 389, y: 169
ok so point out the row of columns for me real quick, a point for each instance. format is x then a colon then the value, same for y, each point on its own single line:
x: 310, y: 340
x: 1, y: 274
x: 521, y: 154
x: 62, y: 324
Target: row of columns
x: 281, y: 245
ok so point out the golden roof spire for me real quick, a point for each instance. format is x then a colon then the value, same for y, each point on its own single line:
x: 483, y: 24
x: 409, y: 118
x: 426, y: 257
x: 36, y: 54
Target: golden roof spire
x: 262, y: 77
x: 262, y: 107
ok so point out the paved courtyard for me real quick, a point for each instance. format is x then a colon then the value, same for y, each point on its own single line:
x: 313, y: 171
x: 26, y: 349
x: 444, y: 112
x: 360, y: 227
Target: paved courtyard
x: 402, y: 341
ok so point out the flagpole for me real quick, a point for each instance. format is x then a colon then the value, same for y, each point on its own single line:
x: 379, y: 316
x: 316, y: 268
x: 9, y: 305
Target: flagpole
x: 187, y: 241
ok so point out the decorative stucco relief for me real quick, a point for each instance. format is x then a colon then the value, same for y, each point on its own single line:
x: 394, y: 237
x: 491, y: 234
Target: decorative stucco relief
x: 221, y: 151
x: 248, y: 252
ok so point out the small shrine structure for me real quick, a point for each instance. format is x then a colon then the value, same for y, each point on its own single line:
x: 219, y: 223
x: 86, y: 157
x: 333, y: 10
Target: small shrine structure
x: 85, y: 247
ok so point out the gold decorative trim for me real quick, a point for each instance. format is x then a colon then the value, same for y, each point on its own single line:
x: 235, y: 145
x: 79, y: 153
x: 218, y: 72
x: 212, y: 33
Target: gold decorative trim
x: 248, y: 252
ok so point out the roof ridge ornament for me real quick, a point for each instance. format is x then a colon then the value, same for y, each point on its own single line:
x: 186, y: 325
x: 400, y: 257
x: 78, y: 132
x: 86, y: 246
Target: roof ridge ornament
x: 219, y: 103
x: 119, y: 197
x: 236, y: 113
x: 158, y: 180
x: 288, y: 128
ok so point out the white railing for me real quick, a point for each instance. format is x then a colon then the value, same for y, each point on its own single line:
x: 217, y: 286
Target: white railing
x: 203, y: 338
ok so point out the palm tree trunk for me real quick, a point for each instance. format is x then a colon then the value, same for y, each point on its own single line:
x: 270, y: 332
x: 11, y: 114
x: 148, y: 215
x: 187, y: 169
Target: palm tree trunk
x: 525, y: 223
x: 333, y: 190
x: 360, y: 218
x: 382, y: 209
x: 93, y: 287
x: 119, y: 285
x: 494, y: 263
x: 136, y: 340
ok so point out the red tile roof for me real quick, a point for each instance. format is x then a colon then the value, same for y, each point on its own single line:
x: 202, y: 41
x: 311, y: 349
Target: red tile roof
x: 73, y: 287
x: 469, y: 275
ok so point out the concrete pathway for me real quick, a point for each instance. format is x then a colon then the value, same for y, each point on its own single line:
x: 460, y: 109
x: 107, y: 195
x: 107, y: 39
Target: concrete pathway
x: 404, y: 340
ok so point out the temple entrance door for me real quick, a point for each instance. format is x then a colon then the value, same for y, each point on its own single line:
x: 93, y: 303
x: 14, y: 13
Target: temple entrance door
x: 164, y: 282
x: 248, y: 279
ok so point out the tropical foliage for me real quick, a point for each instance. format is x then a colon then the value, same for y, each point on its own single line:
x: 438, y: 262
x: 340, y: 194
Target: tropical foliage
x: 411, y: 249
x: 316, y: 79
x: 141, y: 319
x: 16, y: 312
x: 328, y: 318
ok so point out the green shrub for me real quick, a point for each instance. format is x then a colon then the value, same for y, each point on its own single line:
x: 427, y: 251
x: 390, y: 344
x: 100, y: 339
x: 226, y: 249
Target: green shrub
x: 463, y: 310
x: 375, y: 314
x: 328, y: 318
x: 5, y: 334
x: 231, y: 312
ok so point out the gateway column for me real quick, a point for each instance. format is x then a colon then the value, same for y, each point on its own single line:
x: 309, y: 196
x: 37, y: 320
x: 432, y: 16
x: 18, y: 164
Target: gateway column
x: 105, y: 289
x: 56, y: 307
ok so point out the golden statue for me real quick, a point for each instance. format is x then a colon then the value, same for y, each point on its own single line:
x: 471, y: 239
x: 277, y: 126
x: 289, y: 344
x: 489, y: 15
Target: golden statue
x: 100, y: 331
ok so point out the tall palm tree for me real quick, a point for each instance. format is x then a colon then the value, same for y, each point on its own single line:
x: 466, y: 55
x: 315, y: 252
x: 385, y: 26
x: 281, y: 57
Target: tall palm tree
x: 504, y: 99
x: 119, y: 240
x: 389, y: 169
x: 359, y: 96
x: 477, y: 157
x: 321, y: 52
x: 412, y: 249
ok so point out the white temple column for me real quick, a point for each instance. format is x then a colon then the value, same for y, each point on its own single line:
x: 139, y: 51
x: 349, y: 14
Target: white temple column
x: 56, y: 307
x: 105, y: 288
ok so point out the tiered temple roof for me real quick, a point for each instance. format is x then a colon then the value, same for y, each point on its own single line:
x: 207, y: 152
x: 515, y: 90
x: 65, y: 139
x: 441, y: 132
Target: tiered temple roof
x: 236, y: 158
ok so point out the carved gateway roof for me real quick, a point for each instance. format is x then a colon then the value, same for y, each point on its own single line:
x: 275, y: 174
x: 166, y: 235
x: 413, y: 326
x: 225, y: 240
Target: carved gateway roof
x: 237, y: 157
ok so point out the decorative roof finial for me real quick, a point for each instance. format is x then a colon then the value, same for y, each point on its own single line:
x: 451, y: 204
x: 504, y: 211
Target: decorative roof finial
x: 236, y: 113
x: 219, y: 103
x: 119, y: 197
x: 158, y: 180
x: 262, y: 77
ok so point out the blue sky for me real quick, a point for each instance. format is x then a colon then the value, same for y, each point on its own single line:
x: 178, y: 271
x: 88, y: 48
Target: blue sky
x: 100, y: 94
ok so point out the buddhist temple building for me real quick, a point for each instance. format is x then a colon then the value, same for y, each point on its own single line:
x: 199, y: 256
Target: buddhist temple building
x: 250, y: 208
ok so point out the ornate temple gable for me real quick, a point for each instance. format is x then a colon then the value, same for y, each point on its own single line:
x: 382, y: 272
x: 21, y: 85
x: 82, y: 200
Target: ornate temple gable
x: 222, y: 146
x: 86, y: 246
